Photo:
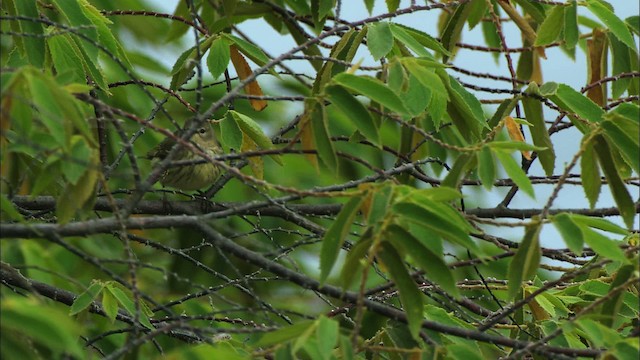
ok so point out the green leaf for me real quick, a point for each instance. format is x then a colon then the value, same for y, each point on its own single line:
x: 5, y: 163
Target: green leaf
x: 219, y: 57
x: 617, y: 186
x: 515, y: 172
x: 7, y: 208
x: 611, y: 307
x: 354, y: 261
x: 598, y: 223
x: 431, y: 263
x: 254, y: 132
x: 426, y: 76
x: 409, y: 41
x: 324, y: 145
x: 110, y: 305
x: 621, y: 63
x: 437, y: 223
x: 379, y: 39
x: 453, y: 29
x: 623, y: 134
x: 550, y: 29
x: 571, y: 100
x: 355, y: 111
x: 66, y: 59
x: 373, y: 89
x: 33, y: 47
x: 186, y: 62
x: 424, y: 39
x: 602, y: 245
x: 590, y: 174
x: 336, y: 235
x: 327, y: 334
x: 612, y: 22
x: 465, y: 109
x: 538, y: 129
x: 410, y: 295
x: 526, y: 261
x: 56, y: 331
x: 457, y: 171
x: 634, y: 23
x: 72, y: 11
x: 476, y: 13
x: 513, y: 145
x: 570, y: 232
x: 230, y: 132
x: 392, y: 5
x: 251, y: 51
x: 486, y: 167
x: 571, y: 31
x: 85, y: 299
x: 285, y: 334
x: 128, y: 304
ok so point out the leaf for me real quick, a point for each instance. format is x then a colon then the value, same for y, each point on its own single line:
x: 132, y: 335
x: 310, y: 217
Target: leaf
x: 80, y: 195
x: 183, y: 68
x: 373, y: 89
x: 426, y: 76
x: 127, y: 303
x: 66, y: 58
x: 254, y: 132
x: 470, y: 120
x: 424, y: 39
x: 355, y: 111
x: 353, y: 263
x: 327, y: 334
x: 410, y: 295
x: 515, y: 134
x: 486, y: 167
x: 617, y: 186
x: 621, y: 63
x: 85, y: 299
x: 571, y: 100
x: 550, y: 29
x: 7, y: 208
x: 611, y: 307
x: 526, y: 261
x: 244, y: 71
x: 571, y: 31
x: 457, y: 171
x: 336, y: 235
x: 435, y: 222
x: 624, y: 139
x: 379, y: 39
x: 570, y: 231
x: 251, y: 51
x: 255, y: 162
x: 109, y: 305
x: 453, y: 29
x: 219, y: 56
x: 56, y: 331
x: 590, y: 174
x: 515, y: 172
x: 431, y: 263
x: 400, y: 34
x: 324, y: 145
x: 598, y: 223
x: 538, y: 129
x: 612, y: 22
x: 602, y: 245
x: 230, y: 132
x: 33, y: 47
x: 285, y: 334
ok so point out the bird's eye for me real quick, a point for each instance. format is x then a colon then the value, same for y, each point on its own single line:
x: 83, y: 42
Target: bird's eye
x: 202, y: 130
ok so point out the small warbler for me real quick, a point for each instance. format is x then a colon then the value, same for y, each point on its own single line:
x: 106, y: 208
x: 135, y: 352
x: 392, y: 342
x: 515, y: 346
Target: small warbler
x: 189, y: 177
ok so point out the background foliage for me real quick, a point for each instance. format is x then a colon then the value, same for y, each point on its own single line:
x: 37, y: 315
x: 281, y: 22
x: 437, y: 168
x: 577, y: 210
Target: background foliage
x: 387, y: 203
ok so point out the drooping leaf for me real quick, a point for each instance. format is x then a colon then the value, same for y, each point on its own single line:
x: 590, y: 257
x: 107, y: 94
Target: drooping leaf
x: 410, y: 295
x: 486, y: 167
x: 373, y: 89
x: 612, y: 22
x: 525, y: 262
x: 379, y: 39
x: 590, y: 174
x: 355, y: 111
x: 219, y: 56
x: 319, y: 125
x: 337, y: 234
x: 539, y: 133
x: 550, y: 29
x: 515, y: 172
x: 251, y: 128
x: 571, y: 31
x: 570, y: 231
x: 85, y: 299
x: 244, y: 71
x: 602, y: 245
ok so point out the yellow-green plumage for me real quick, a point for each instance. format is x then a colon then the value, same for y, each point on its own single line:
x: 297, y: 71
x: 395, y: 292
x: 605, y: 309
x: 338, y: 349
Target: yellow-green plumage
x: 189, y: 177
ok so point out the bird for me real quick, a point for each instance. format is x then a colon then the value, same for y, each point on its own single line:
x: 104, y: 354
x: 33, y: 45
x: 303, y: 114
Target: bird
x: 194, y: 176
